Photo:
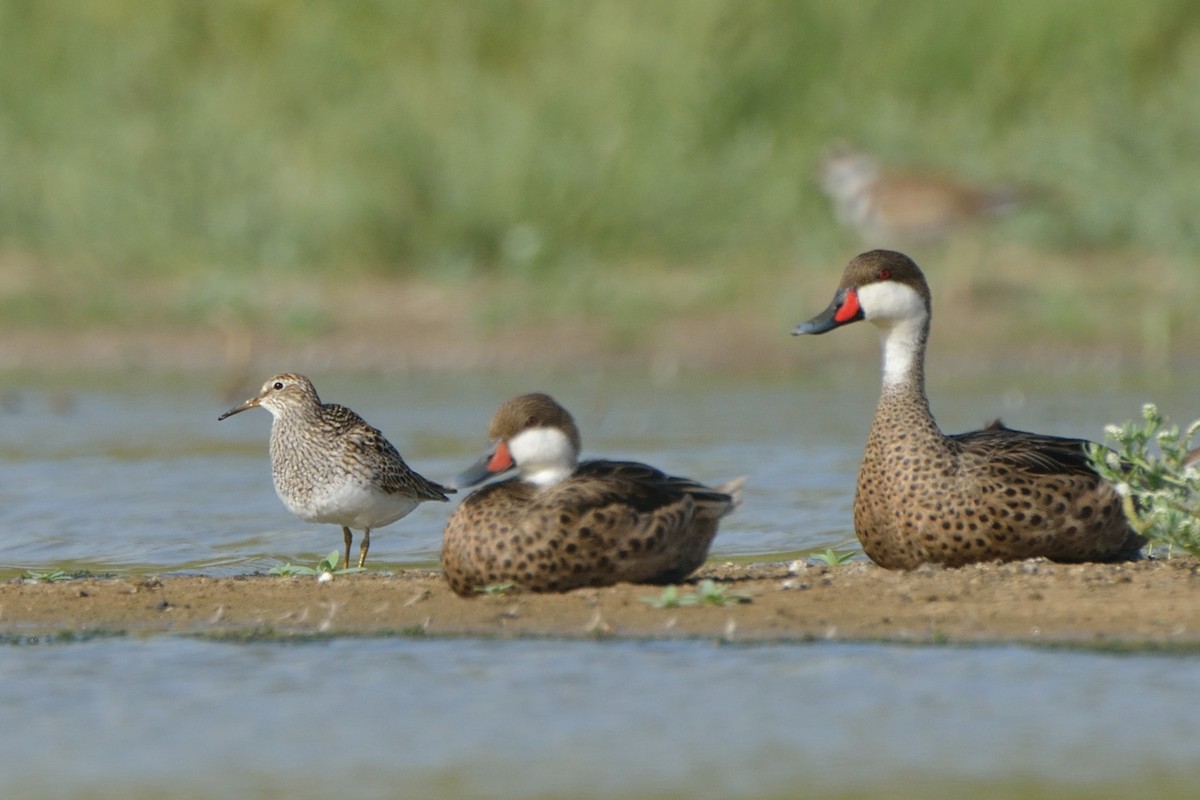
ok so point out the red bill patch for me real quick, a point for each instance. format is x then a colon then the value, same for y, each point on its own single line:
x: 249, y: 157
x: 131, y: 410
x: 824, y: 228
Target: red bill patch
x: 849, y: 309
x: 501, y: 459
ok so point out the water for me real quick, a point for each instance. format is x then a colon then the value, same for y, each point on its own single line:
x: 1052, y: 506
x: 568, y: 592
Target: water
x: 468, y: 718
x: 142, y: 478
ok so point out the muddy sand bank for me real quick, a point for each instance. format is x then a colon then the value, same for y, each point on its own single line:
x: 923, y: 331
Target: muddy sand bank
x: 1147, y: 604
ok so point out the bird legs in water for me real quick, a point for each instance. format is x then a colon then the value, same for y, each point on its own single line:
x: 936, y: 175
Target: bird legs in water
x: 348, y: 537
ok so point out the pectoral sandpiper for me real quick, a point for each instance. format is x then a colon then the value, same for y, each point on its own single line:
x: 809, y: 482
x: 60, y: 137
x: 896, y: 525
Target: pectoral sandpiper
x: 331, y: 466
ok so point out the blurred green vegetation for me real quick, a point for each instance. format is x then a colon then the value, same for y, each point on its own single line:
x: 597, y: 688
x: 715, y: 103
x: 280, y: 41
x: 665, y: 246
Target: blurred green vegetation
x: 549, y: 139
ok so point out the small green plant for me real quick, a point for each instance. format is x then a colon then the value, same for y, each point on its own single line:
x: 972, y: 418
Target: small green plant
x: 670, y: 598
x: 832, y: 557
x: 327, y: 564
x: 288, y: 570
x: 53, y: 576
x: 708, y: 593
x: 495, y: 589
x: 1160, y: 491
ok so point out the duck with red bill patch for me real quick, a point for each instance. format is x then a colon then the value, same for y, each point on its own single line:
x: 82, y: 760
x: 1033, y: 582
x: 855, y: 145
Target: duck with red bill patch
x: 556, y: 524
x: 994, y: 494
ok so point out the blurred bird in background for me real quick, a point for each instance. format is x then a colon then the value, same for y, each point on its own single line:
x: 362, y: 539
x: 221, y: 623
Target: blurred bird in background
x: 889, y: 207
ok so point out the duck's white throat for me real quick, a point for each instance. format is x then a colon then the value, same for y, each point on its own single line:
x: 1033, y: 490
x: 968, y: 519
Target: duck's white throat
x: 901, y: 316
x: 544, y: 456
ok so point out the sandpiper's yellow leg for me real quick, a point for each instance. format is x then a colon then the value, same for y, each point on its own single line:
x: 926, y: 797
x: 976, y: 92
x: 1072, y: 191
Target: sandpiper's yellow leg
x: 366, y: 545
x: 347, y: 537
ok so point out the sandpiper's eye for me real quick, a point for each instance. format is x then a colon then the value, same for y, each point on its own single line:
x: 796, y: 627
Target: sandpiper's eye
x: 278, y: 385
x: 885, y: 274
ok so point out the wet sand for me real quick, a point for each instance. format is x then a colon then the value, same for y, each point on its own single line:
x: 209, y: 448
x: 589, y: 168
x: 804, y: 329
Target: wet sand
x: 1149, y: 604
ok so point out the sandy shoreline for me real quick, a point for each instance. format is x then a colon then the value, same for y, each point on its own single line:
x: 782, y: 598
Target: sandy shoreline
x: 1149, y: 604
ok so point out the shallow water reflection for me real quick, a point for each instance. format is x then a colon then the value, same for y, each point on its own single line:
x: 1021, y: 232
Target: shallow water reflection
x: 175, y: 717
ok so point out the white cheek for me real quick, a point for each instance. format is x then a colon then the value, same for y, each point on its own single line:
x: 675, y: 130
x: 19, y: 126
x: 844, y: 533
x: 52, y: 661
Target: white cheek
x: 888, y: 301
x: 543, y: 455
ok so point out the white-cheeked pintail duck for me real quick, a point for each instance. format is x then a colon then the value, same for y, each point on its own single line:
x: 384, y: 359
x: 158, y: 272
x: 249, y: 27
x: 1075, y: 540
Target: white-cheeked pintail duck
x: 557, y: 524
x: 993, y: 494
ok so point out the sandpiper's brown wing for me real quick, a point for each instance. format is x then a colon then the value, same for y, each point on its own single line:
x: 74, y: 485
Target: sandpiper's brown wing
x: 368, y: 446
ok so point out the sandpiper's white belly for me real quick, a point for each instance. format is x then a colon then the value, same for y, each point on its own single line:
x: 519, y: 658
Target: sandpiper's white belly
x: 355, y: 504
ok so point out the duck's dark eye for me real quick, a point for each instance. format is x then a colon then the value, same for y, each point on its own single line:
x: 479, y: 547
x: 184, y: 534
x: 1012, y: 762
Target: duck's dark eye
x: 278, y: 385
x: 885, y: 274
x: 532, y: 421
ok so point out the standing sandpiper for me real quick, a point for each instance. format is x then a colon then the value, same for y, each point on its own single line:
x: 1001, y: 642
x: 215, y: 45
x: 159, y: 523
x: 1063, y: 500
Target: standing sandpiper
x: 331, y: 466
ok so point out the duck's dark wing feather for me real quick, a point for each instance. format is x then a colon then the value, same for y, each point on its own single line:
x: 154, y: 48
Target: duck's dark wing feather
x: 1031, y: 452
x: 646, y: 487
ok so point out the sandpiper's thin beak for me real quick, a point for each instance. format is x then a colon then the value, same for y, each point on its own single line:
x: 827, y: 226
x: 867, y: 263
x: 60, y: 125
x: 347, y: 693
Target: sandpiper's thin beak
x: 843, y: 310
x: 251, y: 403
x: 497, y: 461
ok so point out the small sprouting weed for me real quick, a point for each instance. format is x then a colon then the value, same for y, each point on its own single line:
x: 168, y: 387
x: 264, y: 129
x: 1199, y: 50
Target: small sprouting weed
x: 1149, y: 468
x: 53, y: 576
x: 708, y: 593
x: 327, y: 565
x: 832, y: 557
x: 669, y: 598
x: 287, y: 570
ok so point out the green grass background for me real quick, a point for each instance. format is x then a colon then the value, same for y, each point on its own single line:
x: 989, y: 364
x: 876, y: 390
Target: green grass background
x: 227, y: 142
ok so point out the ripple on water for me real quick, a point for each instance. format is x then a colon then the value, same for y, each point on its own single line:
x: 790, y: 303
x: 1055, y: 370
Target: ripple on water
x: 177, y: 717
